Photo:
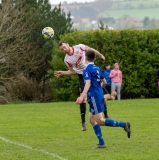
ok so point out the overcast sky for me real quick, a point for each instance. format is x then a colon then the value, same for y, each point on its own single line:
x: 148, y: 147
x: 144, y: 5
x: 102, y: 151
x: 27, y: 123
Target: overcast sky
x: 69, y: 1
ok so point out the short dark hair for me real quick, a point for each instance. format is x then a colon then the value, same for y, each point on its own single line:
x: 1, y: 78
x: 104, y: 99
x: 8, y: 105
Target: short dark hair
x: 107, y: 64
x: 90, y: 55
x: 60, y: 43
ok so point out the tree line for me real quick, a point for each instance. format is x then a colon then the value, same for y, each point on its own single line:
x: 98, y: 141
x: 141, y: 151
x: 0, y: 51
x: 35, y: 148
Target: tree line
x: 24, y: 53
x: 28, y: 61
x: 137, y: 52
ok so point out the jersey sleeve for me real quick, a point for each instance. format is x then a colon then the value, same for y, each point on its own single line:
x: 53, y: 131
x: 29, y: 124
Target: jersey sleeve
x: 86, y: 75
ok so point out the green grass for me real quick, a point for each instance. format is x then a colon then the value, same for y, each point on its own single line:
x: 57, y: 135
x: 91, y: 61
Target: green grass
x: 141, y: 13
x: 50, y: 131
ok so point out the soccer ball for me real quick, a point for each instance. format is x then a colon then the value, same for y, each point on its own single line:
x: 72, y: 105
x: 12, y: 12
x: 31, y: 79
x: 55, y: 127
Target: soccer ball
x: 48, y: 32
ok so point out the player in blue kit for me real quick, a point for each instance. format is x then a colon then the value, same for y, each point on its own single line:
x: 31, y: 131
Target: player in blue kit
x: 93, y: 77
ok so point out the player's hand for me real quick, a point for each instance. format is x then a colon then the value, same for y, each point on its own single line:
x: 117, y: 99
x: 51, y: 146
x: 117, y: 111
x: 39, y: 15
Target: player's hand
x: 158, y: 83
x: 79, y: 100
x: 103, y: 85
x: 58, y: 73
x: 102, y: 57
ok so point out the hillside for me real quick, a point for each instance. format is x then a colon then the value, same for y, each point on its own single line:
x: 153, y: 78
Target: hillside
x: 140, y: 13
x: 116, y: 13
x: 137, y: 8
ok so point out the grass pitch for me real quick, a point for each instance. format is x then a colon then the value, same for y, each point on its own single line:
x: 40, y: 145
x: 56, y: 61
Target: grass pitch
x: 50, y: 131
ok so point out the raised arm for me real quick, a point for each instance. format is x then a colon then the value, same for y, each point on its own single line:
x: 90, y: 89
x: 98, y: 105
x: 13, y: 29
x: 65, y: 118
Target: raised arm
x: 96, y: 52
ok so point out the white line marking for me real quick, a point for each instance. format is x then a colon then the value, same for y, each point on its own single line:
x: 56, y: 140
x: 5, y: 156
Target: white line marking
x: 29, y: 147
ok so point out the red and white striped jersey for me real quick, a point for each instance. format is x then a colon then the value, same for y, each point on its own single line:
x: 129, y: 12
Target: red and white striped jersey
x: 77, y: 59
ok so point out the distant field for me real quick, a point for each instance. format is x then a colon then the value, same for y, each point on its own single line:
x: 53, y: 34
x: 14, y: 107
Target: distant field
x: 52, y: 131
x: 133, y: 3
x: 142, y: 13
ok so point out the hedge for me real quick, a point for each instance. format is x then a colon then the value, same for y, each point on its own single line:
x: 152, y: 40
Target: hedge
x: 137, y: 52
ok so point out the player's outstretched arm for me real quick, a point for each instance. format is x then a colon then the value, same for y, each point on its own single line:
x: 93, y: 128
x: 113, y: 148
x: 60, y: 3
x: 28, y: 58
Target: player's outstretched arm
x: 66, y: 73
x: 96, y: 52
x: 83, y: 94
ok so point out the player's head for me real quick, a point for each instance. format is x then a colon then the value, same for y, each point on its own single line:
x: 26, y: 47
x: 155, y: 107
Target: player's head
x: 116, y: 65
x: 64, y: 47
x: 107, y: 66
x: 90, y: 56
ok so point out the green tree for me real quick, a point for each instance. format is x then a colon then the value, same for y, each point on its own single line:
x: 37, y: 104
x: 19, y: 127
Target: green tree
x: 146, y: 22
x: 42, y: 49
x: 23, y: 49
x: 102, y: 26
x: 14, y: 38
x: 46, y: 16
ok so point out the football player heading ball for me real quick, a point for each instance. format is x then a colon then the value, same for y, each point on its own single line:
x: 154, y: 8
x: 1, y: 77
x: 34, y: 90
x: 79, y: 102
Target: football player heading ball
x: 75, y: 61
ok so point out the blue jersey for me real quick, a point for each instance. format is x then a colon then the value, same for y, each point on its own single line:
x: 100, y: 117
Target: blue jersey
x: 106, y: 74
x: 94, y: 74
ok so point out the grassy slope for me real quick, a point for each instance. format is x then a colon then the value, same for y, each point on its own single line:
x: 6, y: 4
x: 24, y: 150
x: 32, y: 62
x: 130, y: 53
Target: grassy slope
x: 142, y: 13
x: 55, y: 128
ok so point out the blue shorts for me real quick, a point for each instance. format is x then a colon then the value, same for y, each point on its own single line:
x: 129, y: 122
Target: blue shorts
x: 96, y: 104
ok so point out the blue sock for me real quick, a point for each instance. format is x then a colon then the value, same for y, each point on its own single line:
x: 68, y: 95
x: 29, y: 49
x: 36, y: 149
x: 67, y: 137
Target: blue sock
x: 113, y: 123
x: 98, y: 133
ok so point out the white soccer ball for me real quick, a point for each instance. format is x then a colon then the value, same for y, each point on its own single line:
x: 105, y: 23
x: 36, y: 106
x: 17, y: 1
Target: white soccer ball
x: 48, y: 32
